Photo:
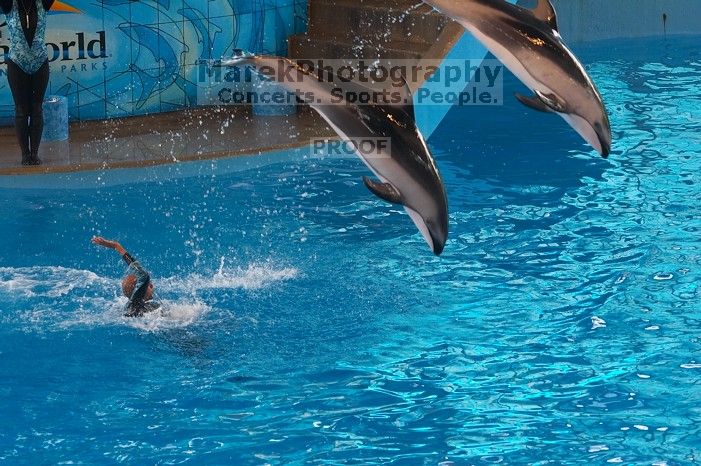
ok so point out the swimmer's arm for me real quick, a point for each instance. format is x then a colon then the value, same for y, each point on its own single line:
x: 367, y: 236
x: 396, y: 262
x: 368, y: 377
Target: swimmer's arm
x: 140, y: 273
x: 134, y: 306
x: 100, y: 241
x: 142, y: 281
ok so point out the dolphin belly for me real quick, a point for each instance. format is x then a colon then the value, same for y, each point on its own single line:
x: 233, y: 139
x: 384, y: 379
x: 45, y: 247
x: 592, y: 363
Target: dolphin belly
x: 379, y: 165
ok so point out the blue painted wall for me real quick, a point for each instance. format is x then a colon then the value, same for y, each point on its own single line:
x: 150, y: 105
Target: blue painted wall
x: 589, y: 20
x: 115, y: 58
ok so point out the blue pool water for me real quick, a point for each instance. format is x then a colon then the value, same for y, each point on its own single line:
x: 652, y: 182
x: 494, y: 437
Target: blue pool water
x: 308, y: 322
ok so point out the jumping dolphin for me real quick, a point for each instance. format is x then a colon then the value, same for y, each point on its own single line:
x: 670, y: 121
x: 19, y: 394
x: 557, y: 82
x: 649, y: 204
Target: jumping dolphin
x: 529, y: 44
x: 406, y: 169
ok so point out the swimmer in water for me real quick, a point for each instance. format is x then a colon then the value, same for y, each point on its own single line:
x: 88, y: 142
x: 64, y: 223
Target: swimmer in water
x: 137, y: 285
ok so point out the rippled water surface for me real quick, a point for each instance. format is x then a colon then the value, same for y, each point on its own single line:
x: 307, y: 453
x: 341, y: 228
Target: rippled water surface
x: 308, y: 322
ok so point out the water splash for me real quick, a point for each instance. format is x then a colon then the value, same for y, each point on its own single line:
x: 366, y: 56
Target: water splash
x: 254, y: 276
x: 47, y: 281
x: 58, y: 298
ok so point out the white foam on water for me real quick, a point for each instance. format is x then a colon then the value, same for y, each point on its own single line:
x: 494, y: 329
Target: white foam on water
x: 171, y: 315
x: 94, y: 301
x: 47, y: 281
x: 254, y: 277
x: 597, y: 322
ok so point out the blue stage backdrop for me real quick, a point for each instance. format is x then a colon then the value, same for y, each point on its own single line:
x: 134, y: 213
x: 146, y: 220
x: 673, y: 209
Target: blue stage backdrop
x: 116, y: 58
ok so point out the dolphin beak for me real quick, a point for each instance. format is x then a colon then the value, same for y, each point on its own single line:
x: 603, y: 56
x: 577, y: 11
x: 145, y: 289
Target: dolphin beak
x: 435, y: 233
x: 439, y: 236
x: 597, y: 133
x: 436, y: 239
x: 438, y: 244
x: 604, y: 136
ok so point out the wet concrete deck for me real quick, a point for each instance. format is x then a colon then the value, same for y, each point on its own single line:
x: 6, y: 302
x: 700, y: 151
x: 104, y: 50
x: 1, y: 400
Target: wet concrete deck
x: 194, y: 134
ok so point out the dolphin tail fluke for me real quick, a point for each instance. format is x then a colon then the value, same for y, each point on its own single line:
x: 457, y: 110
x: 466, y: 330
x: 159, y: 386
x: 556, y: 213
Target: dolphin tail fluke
x: 534, y: 102
x: 384, y: 191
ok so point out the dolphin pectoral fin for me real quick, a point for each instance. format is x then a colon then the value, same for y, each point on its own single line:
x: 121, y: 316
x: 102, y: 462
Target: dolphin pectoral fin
x: 543, y: 102
x: 384, y: 191
x: 545, y: 12
x: 533, y: 102
x: 554, y: 102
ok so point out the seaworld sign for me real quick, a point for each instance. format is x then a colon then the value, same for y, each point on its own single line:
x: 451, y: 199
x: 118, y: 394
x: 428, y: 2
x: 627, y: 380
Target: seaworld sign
x: 117, y: 58
x: 81, y: 48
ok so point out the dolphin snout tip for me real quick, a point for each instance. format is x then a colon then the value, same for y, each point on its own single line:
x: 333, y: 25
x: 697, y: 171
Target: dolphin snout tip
x: 435, y: 233
x: 439, y: 237
x: 605, y: 142
x: 602, y: 130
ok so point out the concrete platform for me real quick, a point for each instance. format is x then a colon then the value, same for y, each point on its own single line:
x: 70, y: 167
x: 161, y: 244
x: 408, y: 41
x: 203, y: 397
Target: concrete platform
x: 194, y: 134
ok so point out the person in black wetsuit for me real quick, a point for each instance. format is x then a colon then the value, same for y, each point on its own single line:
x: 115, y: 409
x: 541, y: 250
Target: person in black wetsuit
x: 27, y: 70
x: 137, y: 285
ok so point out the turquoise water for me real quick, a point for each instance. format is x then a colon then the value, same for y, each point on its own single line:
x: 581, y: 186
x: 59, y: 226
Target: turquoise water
x: 309, y: 324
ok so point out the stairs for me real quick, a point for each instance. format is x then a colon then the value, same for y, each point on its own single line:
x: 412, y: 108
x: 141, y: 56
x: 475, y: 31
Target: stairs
x: 370, y: 29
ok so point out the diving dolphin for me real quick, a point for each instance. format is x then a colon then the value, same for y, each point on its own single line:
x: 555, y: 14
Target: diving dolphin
x: 406, y: 169
x: 529, y: 44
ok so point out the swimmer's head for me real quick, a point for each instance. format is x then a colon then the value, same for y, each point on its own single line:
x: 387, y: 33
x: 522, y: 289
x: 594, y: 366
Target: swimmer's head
x: 129, y: 283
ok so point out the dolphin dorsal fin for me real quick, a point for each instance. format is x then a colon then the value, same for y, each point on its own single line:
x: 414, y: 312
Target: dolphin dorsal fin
x: 408, y: 98
x: 545, y: 12
x: 401, y: 113
x: 384, y: 191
